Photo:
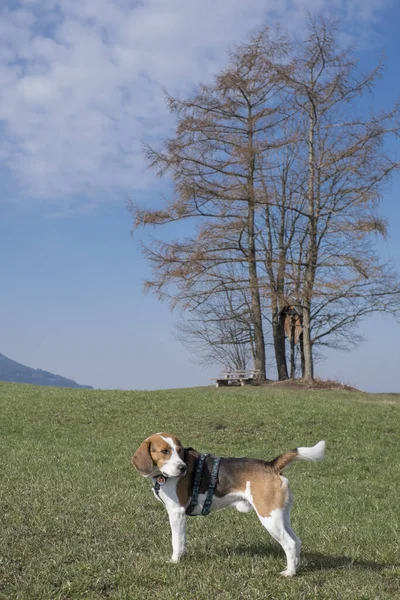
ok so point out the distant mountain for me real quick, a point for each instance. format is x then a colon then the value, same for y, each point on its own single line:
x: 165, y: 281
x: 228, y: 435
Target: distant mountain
x: 10, y: 370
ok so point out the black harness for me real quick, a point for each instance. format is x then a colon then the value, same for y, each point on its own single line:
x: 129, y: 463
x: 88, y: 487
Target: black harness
x: 160, y: 481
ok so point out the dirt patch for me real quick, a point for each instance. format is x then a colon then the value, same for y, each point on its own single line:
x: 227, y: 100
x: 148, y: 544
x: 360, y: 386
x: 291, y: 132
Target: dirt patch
x: 317, y: 384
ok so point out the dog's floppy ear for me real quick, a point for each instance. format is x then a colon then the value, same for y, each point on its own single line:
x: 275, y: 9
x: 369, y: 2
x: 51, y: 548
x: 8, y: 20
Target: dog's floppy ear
x: 142, y: 460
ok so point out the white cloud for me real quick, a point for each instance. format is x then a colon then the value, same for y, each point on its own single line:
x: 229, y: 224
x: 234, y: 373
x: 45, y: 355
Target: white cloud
x: 81, y: 81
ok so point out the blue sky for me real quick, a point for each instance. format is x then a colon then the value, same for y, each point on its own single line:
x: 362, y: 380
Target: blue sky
x: 81, y: 88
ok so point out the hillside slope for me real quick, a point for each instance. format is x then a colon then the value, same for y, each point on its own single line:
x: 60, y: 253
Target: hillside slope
x: 15, y: 372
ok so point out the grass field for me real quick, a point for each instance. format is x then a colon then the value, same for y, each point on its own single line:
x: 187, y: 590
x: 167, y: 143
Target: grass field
x: 78, y: 522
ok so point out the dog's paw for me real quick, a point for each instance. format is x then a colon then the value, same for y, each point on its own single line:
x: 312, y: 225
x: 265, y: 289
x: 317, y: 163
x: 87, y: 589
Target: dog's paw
x: 174, y: 559
x: 288, y: 573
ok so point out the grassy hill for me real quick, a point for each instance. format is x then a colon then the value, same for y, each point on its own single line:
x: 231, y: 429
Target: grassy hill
x: 77, y: 521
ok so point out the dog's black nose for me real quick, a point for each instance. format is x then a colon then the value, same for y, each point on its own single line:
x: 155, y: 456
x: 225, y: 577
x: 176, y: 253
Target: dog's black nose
x: 182, y: 469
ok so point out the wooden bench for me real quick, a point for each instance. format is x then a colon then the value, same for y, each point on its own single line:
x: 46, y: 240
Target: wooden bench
x: 242, y: 378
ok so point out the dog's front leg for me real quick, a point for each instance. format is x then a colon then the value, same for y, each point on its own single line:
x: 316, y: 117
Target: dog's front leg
x: 177, y: 520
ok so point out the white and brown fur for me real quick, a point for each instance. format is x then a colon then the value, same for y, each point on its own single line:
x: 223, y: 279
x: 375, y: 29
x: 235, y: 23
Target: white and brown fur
x: 243, y: 483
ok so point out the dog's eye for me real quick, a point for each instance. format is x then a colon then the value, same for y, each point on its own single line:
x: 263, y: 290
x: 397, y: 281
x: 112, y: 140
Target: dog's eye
x: 165, y: 451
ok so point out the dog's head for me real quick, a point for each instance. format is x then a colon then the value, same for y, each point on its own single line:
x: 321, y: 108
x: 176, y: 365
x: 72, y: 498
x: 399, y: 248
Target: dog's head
x: 160, y: 453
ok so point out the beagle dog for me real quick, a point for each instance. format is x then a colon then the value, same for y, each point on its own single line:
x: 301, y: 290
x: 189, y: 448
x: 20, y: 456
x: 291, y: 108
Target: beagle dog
x: 242, y: 483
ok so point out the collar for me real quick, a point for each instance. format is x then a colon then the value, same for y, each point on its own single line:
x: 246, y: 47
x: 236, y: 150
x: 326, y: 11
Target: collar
x: 158, y: 482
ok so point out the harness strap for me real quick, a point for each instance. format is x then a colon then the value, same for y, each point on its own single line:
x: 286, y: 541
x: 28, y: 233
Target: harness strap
x: 213, y: 483
x: 196, y: 483
x: 160, y: 481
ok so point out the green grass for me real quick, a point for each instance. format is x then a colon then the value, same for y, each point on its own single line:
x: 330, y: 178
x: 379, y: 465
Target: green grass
x: 78, y: 522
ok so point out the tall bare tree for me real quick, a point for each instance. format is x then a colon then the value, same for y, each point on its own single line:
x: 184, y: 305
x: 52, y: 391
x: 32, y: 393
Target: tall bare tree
x: 341, y: 149
x: 215, y: 160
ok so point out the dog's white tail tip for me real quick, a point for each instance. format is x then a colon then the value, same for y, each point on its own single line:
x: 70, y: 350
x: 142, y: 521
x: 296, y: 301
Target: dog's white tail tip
x: 314, y: 453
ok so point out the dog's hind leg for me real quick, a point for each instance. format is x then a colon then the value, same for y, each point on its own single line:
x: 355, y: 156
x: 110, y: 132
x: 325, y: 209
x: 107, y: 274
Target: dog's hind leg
x: 286, y: 517
x: 276, y: 526
x: 273, y: 510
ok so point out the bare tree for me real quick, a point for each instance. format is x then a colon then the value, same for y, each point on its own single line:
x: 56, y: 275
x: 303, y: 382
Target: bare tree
x: 214, y: 159
x: 343, y: 154
x: 282, y: 170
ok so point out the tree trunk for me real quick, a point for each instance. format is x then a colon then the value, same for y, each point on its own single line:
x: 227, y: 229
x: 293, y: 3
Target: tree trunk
x: 309, y: 276
x: 301, y: 344
x: 308, y: 374
x: 278, y: 333
x: 259, y: 341
x: 292, y: 334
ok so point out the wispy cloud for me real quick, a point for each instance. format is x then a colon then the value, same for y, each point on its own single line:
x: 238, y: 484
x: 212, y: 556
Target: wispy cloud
x: 81, y: 81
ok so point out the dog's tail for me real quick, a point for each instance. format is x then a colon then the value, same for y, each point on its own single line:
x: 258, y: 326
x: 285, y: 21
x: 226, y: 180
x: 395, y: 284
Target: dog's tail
x: 314, y: 453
